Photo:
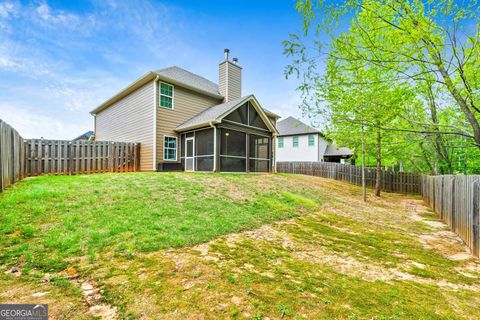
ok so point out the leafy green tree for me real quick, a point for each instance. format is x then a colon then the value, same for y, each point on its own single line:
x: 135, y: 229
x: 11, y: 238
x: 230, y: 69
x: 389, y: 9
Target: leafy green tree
x: 390, y: 47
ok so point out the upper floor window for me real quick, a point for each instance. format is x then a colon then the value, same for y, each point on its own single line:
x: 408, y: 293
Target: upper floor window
x: 295, y: 141
x: 170, y: 148
x: 280, y: 142
x: 166, y: 95
x: 311, y: 140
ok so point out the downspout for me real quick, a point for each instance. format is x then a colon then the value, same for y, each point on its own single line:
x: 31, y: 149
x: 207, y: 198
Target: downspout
x: 94, y: 126
x: 214, y: 145
x: 155, y: 123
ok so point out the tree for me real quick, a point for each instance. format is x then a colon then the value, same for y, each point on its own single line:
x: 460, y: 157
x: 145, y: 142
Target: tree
x: 427, y: 47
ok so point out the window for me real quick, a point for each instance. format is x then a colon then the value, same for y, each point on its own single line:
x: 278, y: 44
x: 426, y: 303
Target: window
x: 311, y: 140
x: 170, y: 148
x: 295, y: 141
x: 280, y: 142
x: 166, y: 95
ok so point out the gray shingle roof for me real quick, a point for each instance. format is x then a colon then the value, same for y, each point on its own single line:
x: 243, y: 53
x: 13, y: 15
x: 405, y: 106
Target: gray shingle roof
x: 292, y: 126
x: 185, y: 77
x: 211, y: 114
x: 333, y: 150
x: 84, y: 136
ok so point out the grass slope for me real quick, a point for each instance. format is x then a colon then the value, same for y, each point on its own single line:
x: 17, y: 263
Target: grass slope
x: 47, y: 219
x: 175, y: 245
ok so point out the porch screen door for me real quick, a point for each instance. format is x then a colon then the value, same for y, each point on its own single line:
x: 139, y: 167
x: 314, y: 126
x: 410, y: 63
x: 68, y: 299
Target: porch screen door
x: 189, y: 152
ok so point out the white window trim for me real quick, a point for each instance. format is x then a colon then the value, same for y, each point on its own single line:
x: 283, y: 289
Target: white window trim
x: 176, y: 148
x: 160, y: 95
x: 293, y: 141
x: 282, y: 145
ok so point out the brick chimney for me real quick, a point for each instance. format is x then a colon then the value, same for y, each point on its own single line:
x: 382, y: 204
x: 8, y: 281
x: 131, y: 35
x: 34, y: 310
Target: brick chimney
x: 230, y: 78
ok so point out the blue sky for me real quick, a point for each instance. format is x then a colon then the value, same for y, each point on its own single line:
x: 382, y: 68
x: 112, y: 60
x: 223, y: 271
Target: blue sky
x: 58, y: 60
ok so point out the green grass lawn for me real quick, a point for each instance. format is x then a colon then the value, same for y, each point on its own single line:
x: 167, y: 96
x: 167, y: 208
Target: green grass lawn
x: 47, y: 219
x: 191, y: 246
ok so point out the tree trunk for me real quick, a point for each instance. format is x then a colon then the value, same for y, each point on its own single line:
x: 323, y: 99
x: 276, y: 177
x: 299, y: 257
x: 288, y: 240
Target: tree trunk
x: 439, y: 142
x: 364, y: 186
x: 461, y: 101
x: 378, y: 182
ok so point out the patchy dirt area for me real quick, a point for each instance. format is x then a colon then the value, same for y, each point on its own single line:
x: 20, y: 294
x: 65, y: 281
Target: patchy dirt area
x: 386, y: 258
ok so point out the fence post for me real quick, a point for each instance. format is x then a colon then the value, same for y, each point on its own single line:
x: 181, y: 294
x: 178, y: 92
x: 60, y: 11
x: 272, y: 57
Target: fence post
x: 476, y: 216
x: 453, y: 204
x: 442, y: 202
x: 433, y: 195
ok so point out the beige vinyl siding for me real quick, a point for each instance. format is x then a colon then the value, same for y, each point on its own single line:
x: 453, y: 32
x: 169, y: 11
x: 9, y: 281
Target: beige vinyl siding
x: 230, y: 81
x: 130, y: 120
x: 187, y: 104
x: 222, y: 79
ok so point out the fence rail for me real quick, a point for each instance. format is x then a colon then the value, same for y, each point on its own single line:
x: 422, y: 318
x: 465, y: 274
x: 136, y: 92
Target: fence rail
x: 20, y: 158
x: 392, y: 181
x: 455, y: 199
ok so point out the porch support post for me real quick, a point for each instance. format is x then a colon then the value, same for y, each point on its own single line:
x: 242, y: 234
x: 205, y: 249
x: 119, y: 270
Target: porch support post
x: 273, y: 144
x: 247, y: 152
x: 215, y: 147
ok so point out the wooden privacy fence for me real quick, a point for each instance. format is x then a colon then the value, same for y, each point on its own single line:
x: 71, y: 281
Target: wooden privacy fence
x: 456, y: 200
x: 20, y: 158
x: 11, y: 156
x: 392, y: 181
x: 72, y: 157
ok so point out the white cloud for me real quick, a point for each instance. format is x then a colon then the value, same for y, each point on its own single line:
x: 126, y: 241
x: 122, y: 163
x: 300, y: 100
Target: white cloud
x: 7, y: 9
x: 31, y: 124
x: 58, y: 17
x: 49, y: 77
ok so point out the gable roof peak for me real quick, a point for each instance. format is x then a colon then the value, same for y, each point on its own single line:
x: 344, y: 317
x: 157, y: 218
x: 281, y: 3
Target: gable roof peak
x: 216, y: 113
x: 190, y: 79
x: 293, y: 126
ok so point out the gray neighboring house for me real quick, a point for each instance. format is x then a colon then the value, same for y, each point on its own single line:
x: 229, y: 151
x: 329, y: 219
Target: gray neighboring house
x: 184, y: 121
x: 297, y: 141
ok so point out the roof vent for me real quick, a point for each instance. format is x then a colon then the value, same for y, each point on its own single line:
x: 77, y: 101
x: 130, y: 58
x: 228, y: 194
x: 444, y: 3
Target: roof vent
x: 235, y: 60
x: 226, y: 52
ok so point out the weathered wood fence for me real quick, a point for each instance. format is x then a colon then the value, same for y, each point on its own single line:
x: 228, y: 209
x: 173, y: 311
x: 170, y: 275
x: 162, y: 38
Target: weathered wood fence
x: 20, y: 158
x: 456, y: 200
x: 12, y: 156
x: 73, y: 157
x: 392, y: 181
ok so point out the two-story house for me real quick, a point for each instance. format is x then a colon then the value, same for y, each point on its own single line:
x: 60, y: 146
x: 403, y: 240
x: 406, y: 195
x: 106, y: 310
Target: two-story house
x: 186, y: 122
x: 297, y: 141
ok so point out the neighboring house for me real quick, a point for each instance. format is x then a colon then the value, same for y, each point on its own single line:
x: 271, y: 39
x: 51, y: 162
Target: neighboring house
x: 297, y: 141
x: 186, y: 122
x: 86, y: 136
